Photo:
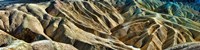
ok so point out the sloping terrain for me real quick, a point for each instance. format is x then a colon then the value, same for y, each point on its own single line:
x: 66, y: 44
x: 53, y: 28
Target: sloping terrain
x: 97, y: 25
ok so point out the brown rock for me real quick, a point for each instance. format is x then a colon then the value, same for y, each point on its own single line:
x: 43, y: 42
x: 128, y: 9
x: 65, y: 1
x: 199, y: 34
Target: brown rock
x: 8, y: 42
x: 50, y: 45
x: 56, y: 21
x: 185, y: 46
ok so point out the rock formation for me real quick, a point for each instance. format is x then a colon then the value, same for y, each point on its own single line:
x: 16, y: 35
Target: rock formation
x: 186, y: 46
x: 96, y: 25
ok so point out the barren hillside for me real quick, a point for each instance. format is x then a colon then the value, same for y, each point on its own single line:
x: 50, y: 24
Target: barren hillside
x: 98, y: 25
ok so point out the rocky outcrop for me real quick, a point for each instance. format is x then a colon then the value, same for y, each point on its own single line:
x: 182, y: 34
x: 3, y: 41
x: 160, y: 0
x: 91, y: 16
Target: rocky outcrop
x: 9, y: 42
x: 49, y: 45
x: 186, y: 46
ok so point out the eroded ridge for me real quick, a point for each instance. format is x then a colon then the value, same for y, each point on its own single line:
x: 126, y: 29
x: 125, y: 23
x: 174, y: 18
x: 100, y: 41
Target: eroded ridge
x: 100, y: 25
